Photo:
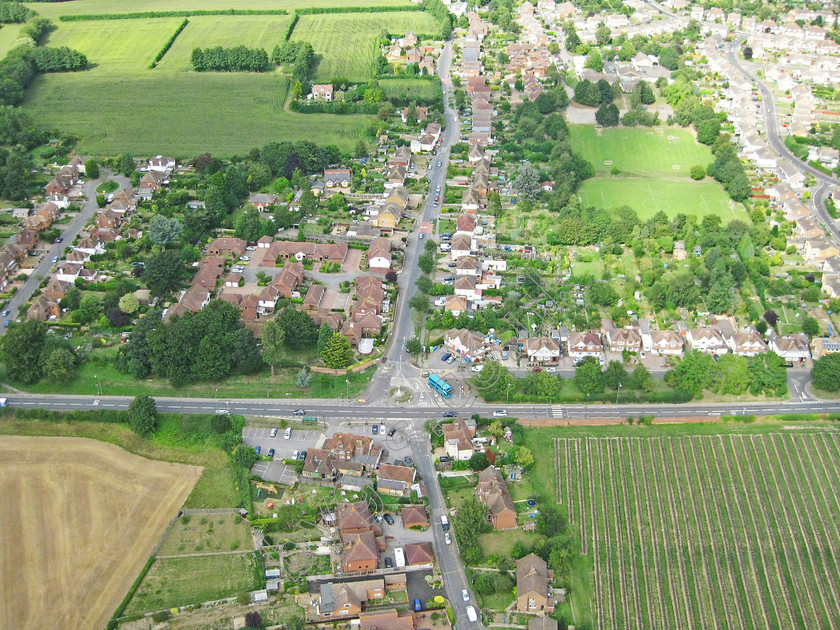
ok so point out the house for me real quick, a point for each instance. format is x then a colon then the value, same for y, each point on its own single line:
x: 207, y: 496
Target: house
x: 56, y: 289
x: 493, y: 492
x: 470, y: 200
x: 542, y: 623
x: 822, y: 346
x: 679, y: 250
x: 414, y: 516
x: 667, y: 342
x: 467, y: 287
x: 420, y: 113
x: 476, y: 153
x: 792, y: 348
x: 195, y: 298
x: 314, y: 296
x: 455, y: 304
x: 43, y: 308
x: 532, y: 579
x: 386, y: 620
x: 467, y: 266
x: 585, y: 344
x: 360, y: 552
x: 161, y: 164
x: 210, y: 269
x: 621, y: 339
x: 542, y: 350
x: 152, y: 181
x: 227, y: 246
x: 464, y: 342
x: 233, y: 279
x: 323, y: 92
x: 457, y: 439
x: 347, y: 599
x: 338, y: 177
x: 261, y: 201
x: 357, y: 448
x: 395, y: 480
x: 419, y: 553
x: 706, y: 340
x: 379, y: 255
x: 746, y: 344
x: 395, y: 176
x: 109, y: 219
x: 292, y: 250
x: 402, y: 157
x: 28, y: 238
x: 461, y: 245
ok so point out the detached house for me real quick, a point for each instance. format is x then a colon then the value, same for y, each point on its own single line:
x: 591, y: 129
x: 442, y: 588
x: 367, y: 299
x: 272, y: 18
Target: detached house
x: 585, y: 344
x: 322, y: 92
x: 226, y: 246
x: 747, y: 344
x: 464, y: 342
x: 542, y: 350
x: 338, y: 178
x: 532, y: 580
x: 706, y: 340
x: 379, y: 255
x: 395, y: 480
x: 492, y: 491
x: 792, y: 348
x: 457, y: 439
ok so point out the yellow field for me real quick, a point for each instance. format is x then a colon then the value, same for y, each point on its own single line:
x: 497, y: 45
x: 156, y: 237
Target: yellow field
x: 78, y: 519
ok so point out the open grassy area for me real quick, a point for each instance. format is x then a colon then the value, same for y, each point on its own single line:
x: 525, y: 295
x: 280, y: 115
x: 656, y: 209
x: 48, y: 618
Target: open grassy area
x: 209, y: 533
x: 254, y: 31
x: 346, y: 44
x: 191, y: 580
x: 640, y: 151
x: 214, y: 489
x: 10, y: 36
x: 647, y: 196
x: 501, y: 543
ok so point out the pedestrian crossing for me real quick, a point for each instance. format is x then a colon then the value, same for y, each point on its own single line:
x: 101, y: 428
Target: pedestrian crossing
x: 558, y: 411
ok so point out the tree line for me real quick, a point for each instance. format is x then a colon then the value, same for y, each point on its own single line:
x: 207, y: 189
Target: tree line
x: 236, y: 59
x: 14, y: 12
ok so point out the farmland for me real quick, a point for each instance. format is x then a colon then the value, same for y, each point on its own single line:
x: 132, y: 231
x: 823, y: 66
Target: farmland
x: 728, y: 530
x: 346, y: 44
x: 79, y: 520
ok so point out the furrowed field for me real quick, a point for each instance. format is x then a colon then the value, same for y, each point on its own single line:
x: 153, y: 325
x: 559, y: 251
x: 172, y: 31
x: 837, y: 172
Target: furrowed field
x: 653, y: 172
x: 346, y: 44
x: 120, y: 104
x: 734, y: 530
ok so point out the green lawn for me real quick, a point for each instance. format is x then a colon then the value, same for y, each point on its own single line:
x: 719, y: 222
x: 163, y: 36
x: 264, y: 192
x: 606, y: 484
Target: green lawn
x: 346, y: 44
x: 501, y: 543
x: 254, y: 31
x: 671, y: 195
x: 10, y: 37
x: 640, y: 152
x: 206, y: 534
x: 181, y: 581
x: 215, y: 489
x: 410, y: 88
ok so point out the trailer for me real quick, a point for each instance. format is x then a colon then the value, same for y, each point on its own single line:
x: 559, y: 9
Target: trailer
x: 399, y: 557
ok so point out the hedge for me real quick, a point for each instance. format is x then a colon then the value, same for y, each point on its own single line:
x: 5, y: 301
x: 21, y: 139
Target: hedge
x: 112, y: 623
x: 334, y: 108
x: 168, y: 44
x: 383, y: 9
x: 290, y: 29
x: 79, y: 415
x: 92, y: 17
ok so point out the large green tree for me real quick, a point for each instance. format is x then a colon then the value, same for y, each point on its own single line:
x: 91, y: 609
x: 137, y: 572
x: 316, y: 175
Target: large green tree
x: 826, y: 373
x: 142, y: 415
x: 21, y: 348
x: 164, y: 230
x: 337, y: 353
x: 273, y: 343
x: 469, y: 523
x: 163, y: 273
x: 589, y: 379
x: 692, y: 374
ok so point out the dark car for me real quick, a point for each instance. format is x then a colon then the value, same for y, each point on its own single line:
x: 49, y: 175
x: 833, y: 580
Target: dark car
x: 445, y: 459
x: 388, y: 518
x: 409, y: 461
x: 449, y: 414
x: 60, y: 239
x: 392, y: 433
x: 299, y: 412
x: 271, y: 453
x: 257, y: 449
x: 446, y: 356
x: 302, y: 456
x: 375, y: 429
x: 389, y: 563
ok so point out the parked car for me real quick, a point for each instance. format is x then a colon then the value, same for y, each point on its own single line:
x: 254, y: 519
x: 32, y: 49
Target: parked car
x: 375, y: 429
x: 288, y: 433
x: 271, y: 453
x: 60, y: 239
x: 417, y: 606
x: 55, y: 259
x: 445, y: 458
x: 302, y: 456
x: 389, y: 562
x: 388, y: 518
x: 6, y: 313
x: 273, y: 433
x: 447, y: 538
x: 392, y: 433
x: 446, y: 357
x: 478, y: 368
x: 471, y: 614
x: 257, y: 448
x: 551, y: 370
x: 295, y: 455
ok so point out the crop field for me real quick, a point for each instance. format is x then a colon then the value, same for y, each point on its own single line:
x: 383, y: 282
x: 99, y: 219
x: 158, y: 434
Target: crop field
x: 79, y: 518
x: 186, y: 580
x: 640, y: 152
x: 735, y: 530
x: 649, y: 196
x: 346, y: 44
x: 254, y: 31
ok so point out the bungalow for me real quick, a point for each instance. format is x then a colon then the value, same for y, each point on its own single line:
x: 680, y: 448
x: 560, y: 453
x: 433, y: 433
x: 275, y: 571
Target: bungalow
x: 362, y: 325
x: 493, y: 492
x: 379, y: 255
x: 542, y: 350
x: 746, y: 344
x: 467, y: 266
x: 227, y: 246
x: 261, y: 201
x: 338, y: 177
x: 621, y: 339
x: 419, y: 554
x: 706, y: 340
x: 467, y: 287
x: 386, y: 620
x: 414, y: 516
x: 322, y: 91
x: 667, y: 342
x: 292, y: 250
x: 532, y: 580
x: 455, y: 304
x: 585, y: 344
x: 457, y: 439
x: 314, y: 296
x: 420, y: 113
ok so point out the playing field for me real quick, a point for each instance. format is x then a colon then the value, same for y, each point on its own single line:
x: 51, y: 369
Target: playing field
x: 669, y: 151
x: 78, y: 519
x: 346, y: 44
x: 708, y: 531
x: 649, y: 196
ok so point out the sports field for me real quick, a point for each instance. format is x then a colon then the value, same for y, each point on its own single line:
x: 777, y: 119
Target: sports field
x: 346, y: 44
x: 737, y: 530
x: 649, y: 196
x: 78, y: 520
x: 669, y: 151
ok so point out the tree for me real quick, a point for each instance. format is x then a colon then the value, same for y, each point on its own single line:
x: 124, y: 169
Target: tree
x: 494, y: 204
x: 527, y: 182
x: 92, y: 169
x: 253, y: 619
x: 587, y: 93
x: 89, y: 309
x: 413, y: 346
x: 615, y: 375
x: 748, y: 52
x: 731, y: 375
x: 273, y: 343
x: 524, y: 457
x: 589, y: 379
x: 593, y: 60
x: 607, y: 115
x: 116, y: 317
x: 420, y: 303
x: 826, y: 373
x: 641, y: 379
x: 163, y: 273
x: 308, y: 203
x: 692, y: 374
x: 479, y: 461
x: 468, y: 524
x: 697, y: 172
x: 771, y: 317
x: 810, y: 326
x: 243, y: 456
x: 142, y: 415
x: 427, y: 262
x: 60, y: 365
x: 129, y: 304
x: 21, y: 348
x: 299, y: 329
x: 126, y: 164
x: 337, y: 353
x: 325, y: 333
x: 722, y: 295
x: 164, y: 230
x: 293, y: 621
x: 303, y: 378
x: 603, y: 35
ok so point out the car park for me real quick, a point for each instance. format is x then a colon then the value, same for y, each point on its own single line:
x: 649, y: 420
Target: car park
x: 271, y: 453
x: 273, y: 432
x: 500, y: 413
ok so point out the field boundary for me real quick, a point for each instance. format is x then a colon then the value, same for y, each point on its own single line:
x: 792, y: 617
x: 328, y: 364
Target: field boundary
x: 165, y: 48
x: 144, y: 15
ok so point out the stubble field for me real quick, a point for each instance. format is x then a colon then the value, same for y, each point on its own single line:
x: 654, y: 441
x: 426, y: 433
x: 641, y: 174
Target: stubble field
x: 78, y: 520
x: 708, y: 531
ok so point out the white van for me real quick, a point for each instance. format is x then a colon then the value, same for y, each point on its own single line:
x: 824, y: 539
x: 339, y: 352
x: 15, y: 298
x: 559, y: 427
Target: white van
x: 471, y: 614
x: 288, y: 433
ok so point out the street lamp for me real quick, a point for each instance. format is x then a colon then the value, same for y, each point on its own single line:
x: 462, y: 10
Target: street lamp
x: 617, y: 392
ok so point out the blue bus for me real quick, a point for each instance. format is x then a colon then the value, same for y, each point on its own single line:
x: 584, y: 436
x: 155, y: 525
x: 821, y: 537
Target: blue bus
x: 440, y: 386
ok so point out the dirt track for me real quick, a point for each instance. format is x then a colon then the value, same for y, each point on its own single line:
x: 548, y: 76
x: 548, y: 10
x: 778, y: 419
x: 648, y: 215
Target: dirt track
x: 78, y: 520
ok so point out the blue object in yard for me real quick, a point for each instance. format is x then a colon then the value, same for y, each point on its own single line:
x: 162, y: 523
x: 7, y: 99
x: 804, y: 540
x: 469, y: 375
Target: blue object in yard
x: 417, y: 606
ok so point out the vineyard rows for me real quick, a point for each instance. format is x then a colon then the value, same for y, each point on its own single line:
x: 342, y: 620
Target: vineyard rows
x: 719, y: 532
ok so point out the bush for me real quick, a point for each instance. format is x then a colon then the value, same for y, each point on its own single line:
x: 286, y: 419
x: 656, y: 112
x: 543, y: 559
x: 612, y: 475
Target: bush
x: 142, y: 415
x: 698, y: 172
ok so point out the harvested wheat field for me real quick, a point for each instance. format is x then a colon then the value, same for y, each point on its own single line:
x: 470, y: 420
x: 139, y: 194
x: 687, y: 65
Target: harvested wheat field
x: 78, y: 520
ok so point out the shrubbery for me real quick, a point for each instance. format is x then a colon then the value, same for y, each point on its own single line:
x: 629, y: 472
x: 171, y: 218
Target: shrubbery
x: 236, y: 59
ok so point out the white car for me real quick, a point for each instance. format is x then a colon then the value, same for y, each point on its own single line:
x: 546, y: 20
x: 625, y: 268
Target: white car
x: 295, y: 455
x: 476, y: 368
x: 447, y: 538
x: 466, y: 595
x: 551, y: 370
x: 441, y: 301
x: 273, y: 433
x: 288, y: 433
x: 500, y: 413
x: 471, y: 614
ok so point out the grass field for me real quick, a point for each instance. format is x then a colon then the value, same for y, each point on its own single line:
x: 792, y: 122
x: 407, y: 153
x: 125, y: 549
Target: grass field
x: 207, y: 534
x: 346, y: 44
x: 734, y: 529
x: 10, y: 37
x: 191, y: 580
x: 254, y: 31
x: 649, y: 196
x: 79, y: 520
x: 410, y: 88
x: 640, y: 152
